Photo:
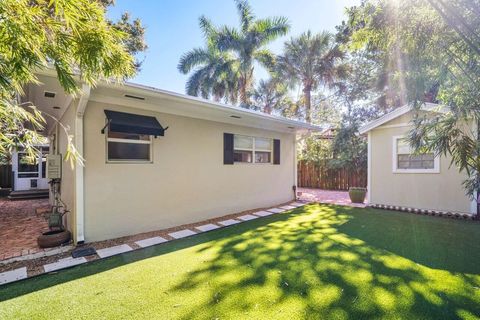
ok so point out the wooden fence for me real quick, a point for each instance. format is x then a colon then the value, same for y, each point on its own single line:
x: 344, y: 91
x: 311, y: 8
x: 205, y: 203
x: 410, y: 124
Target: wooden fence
x: 5, y: 176
x: 317, y: 175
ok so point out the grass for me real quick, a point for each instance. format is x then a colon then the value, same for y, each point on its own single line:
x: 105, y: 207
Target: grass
x: 315, y: 262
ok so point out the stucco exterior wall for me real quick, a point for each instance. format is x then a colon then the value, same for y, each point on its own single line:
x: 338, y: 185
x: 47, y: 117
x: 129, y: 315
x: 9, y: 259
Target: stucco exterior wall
x: 438, y: 191
x: 68, y: 173
x: 187, y: 181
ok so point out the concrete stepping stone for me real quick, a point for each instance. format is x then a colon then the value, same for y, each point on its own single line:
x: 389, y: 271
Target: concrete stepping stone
x: 207, y: 227
x: 13, y: 275
x: 276, y: 210
x: 263, y: 213
x: 247, y: 217
x: 182, y: 234
x: 228, y: 222
x: 296, y: 204
x: 111, y: 251
x: 150, y: 241
x: 64, y: 263
x: 288, y: 207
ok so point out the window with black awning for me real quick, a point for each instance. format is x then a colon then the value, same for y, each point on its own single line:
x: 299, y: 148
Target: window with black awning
x: 133, y: 123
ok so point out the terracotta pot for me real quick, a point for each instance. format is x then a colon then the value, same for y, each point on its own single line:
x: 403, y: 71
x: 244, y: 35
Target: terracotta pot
x: 55, y: 238
x: 357, y: 195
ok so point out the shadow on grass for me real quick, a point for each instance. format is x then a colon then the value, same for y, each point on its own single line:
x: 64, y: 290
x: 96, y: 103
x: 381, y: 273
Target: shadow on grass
x: 320, y: 261
x: 340, y: 262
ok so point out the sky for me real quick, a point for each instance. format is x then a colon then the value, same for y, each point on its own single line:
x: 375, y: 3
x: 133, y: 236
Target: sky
x: 172, y: 29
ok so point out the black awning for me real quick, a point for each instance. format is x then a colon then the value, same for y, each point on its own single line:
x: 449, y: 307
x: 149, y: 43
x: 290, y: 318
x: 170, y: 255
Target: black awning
x: 133, y: 123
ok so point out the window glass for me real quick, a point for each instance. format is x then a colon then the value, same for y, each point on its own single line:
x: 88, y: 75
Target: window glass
x: 407, y: 160
x: 242, y: 156
x: 262, y: 157
x: 128, y: 151
x: 26, y: 166
x: 263, y: 144
x: 242, y: 142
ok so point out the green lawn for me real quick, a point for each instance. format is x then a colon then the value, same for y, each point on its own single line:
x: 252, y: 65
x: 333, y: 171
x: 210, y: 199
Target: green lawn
x: 315, y: 262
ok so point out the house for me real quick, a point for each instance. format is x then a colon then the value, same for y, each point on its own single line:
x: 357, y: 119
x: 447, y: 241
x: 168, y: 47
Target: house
x: 397, y: 177
x: 154, y: 159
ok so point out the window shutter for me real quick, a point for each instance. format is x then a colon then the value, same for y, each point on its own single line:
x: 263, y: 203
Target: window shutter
x: 227, y: 148
x: 276, y: 151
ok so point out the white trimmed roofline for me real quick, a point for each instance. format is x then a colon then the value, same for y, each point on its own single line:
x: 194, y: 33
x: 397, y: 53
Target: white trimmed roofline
x: 212, y: 105
x: 427, y: 106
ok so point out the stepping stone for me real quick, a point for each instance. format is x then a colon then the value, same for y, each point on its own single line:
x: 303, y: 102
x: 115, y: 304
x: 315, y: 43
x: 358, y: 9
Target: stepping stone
x: 228, y: 222
x: 150, y: 241
x: 182, y: 233
x: 64, y: 263
x: 247, y: 217
x: 263, y: 213
x: 288, y: 207
x: 296, y: 204
x: 13, y: 275
x: 207, y: 227
x: 107, y: 252
x: 276, y: 210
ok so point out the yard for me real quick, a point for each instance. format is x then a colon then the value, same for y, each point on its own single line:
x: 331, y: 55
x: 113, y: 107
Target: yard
x: 317, y: 261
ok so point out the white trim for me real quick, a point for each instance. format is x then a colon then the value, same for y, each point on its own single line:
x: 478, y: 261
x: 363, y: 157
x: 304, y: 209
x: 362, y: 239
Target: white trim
x: 369, y: 168
x: 79, y: 170
x: 390, y: 126
x: 208, y: 105
x: 436, y: 161
x: 400, y: 112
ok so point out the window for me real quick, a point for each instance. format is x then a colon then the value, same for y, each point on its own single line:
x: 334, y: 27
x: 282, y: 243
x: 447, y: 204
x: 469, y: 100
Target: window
x: 252, y: 149
x: 128, y: 147
x: 27, y: 167
x: 404, y: 159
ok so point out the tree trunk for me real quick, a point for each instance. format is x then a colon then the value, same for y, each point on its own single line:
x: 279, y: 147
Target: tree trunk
x: 307, y: 95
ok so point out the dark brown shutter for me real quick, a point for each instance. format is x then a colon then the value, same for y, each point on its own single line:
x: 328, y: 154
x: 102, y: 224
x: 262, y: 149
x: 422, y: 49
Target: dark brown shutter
x: 227, y: 148
x: 276, y: 151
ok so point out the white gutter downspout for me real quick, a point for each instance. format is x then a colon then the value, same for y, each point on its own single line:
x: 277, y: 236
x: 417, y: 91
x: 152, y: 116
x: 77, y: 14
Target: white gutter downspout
x: 79, y: 169
x: 295, y: 165
x: 369, y: 168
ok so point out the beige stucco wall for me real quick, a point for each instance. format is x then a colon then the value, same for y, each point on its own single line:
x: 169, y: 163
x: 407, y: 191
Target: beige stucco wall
x: 439, y: 191
x: 187, y: 181
x: 68, y: 173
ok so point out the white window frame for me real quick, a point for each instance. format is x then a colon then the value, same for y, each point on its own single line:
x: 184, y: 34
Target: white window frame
x: 253, y: 150
x: 395, y: 169
x: 130, y: 141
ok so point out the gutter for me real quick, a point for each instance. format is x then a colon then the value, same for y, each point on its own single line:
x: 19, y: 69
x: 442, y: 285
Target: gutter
x: 79, y: 169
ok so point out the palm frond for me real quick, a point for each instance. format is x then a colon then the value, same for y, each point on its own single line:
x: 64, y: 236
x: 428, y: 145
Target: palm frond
x: 192, y: 59
x: 246, y: 14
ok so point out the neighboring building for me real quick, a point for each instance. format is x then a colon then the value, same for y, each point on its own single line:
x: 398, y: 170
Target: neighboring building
x: 397, y: 177
x: 156, y: 159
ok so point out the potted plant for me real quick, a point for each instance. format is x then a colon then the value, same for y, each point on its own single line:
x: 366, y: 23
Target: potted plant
x: 357, y: 194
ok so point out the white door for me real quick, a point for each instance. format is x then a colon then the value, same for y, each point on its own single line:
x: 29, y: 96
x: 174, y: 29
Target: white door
x: 28, y: 175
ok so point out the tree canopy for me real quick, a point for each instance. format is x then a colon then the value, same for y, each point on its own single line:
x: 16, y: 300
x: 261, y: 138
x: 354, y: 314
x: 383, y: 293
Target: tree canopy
x: 74, y: 38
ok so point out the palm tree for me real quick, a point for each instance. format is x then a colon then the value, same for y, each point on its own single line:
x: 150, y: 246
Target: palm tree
x: 311, y: 61
x: 248, y: 44
x: 270, y: 95
x: 214, y: 72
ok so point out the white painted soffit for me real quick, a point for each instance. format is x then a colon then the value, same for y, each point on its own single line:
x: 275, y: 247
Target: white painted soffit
x: 149, y: 98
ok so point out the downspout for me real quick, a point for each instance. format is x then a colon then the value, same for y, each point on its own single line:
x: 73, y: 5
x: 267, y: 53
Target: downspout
x: 295, y: 166
x: 369, y: 168
x: 79, y: 169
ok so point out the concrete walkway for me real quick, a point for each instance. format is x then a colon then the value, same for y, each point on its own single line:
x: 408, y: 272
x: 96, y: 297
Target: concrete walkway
x: 328, y: 196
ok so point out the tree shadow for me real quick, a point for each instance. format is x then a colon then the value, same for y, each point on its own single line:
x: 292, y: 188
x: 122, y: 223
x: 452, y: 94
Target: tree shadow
x: 320, y: 260
x: 315, y: 262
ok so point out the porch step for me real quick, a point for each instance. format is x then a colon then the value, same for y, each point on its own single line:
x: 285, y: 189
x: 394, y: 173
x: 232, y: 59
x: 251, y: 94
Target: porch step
x: 29, y: 194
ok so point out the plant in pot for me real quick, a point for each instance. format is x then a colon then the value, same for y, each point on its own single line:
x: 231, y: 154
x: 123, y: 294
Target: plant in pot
x: 57, y: 233
x: 357, y: 194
